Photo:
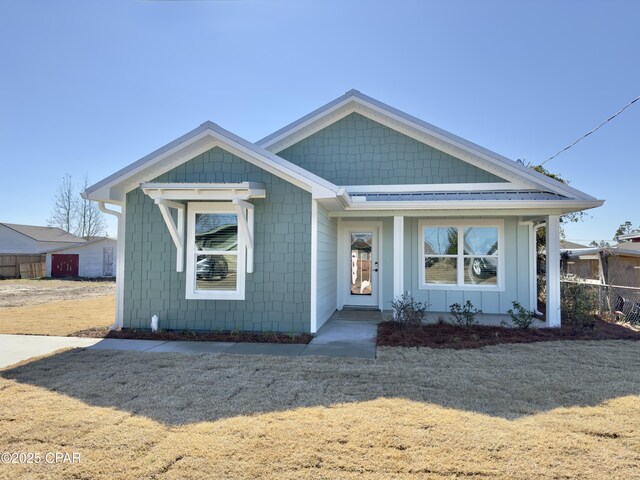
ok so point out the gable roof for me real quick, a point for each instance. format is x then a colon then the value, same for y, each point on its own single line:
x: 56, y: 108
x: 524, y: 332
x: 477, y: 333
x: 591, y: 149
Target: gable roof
x: 532, y: 190
x: 356, y: 102
x: 44, y: 234
x: 197, y: 141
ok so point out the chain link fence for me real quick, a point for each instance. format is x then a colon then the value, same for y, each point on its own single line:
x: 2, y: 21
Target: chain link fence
x: 619, y: 301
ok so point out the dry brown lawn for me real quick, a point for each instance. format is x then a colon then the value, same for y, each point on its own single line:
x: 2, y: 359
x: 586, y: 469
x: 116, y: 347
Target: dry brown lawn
x: 544, y: 410
x: 62, y: 318
x: 22, y: 293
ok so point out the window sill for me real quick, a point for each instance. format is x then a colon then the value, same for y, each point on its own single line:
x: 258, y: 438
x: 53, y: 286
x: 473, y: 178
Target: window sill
x: 214, y: 296
x: 463, y: 288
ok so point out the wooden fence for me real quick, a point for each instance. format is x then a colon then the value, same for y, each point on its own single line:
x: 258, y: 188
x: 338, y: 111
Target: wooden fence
x: 22, y: 266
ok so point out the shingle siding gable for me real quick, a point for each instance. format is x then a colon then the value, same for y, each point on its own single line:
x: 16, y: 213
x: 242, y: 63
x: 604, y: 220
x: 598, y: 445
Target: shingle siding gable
x: 358, y: 151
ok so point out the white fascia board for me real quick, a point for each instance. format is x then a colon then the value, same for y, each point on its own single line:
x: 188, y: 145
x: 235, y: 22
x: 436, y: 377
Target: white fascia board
x: 438, y: 187
x: 356, y: 102
x: 563, y: 205
x: 194, y: 143
x: 279, y: 135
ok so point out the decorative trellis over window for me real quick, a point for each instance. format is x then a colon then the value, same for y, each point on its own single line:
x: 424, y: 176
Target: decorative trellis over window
x: 220, y: 233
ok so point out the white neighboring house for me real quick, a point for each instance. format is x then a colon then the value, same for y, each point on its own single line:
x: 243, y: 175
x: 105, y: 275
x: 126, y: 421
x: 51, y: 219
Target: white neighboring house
x: 94, y: 258
x: 31, y: 239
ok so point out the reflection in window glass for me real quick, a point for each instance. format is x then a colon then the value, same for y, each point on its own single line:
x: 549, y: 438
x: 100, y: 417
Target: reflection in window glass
x: 480, y: 240
x: 441, y: 240
x: 216, y: 232
x: 217, y: 235
x: 361, y: 268
x: 461, y: 255
x: 441, y: 270
x: 216, y: 272
x: 481, y: 271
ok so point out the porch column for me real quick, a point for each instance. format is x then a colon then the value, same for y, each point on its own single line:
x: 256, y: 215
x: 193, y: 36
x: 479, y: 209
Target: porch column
x: 553, y: 271
x: 398, y: 256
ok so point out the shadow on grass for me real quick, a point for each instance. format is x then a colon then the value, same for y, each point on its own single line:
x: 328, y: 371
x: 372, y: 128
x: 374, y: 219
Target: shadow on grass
x: 507, y: 381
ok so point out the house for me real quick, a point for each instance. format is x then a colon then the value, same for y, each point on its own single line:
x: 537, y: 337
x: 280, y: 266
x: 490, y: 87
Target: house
x: 22, y: 248
x: 32, y: 239
x: 94, y: 258
x: 617, y: 266
x: 349, y: 206
x: 633, y: 237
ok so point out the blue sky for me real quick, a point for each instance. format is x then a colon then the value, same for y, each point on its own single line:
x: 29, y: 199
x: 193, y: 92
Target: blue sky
x: 89, y: 87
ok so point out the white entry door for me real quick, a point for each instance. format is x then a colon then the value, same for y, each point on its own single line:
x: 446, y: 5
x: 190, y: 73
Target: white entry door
x: 361, y: 265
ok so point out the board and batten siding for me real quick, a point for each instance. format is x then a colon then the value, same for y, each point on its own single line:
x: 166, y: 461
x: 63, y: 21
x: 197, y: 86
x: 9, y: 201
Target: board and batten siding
x: 278, y: 292
x: 516, y: 271
x: 327, y: 266
x: 358, y: 151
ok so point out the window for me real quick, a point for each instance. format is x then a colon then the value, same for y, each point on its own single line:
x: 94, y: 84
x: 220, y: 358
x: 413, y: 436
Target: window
x: 461, y: 255
x: 215, y: 252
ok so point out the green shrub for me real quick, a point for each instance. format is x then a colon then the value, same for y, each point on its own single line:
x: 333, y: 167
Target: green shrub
x: 407, y: 312
x: 579, y: 303
x: 464, y: 315
x: 520, y: 316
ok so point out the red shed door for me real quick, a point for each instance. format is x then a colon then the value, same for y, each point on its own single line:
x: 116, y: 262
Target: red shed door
x: 64, y: 266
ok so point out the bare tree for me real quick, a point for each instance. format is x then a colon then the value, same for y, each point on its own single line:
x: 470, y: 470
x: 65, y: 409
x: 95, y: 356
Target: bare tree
x: 74, y: 214
x: 90, y: 220
x: 64, y: 208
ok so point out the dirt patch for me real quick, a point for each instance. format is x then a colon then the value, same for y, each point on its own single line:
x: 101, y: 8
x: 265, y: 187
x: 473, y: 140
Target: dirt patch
x: 225, y: 336
x: 60, y: 318
x: 545, y: 411
x: 19, y: 293
x: 443, y: 335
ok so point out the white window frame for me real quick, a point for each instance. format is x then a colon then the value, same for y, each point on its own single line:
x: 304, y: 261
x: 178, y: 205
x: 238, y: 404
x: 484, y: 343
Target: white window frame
x: 461, y: 224
x: 192, y: 293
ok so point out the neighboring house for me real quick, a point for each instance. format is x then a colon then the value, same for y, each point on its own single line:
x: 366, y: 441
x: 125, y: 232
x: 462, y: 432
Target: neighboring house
x: 351, y: 205
x: 633, y: 237
x: 32, y: 239
x: 94, y: 258
x: 617, y: 266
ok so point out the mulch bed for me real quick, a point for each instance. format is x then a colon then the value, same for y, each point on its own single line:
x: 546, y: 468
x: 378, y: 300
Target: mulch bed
x: 224, y: 336
x: 391, y: 334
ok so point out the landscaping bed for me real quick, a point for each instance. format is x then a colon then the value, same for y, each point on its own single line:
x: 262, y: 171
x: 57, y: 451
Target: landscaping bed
x: 222, y: 336
x: 444, y: 335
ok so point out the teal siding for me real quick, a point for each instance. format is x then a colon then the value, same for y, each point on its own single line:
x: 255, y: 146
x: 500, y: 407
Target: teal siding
x: 358, y: 151
x: 327, y: 266
x: 516, y: 282
x: 278, y: 293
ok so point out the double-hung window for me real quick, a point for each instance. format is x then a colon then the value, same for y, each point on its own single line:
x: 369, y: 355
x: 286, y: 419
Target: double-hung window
x: 215, y: 252
x: 462, y: 254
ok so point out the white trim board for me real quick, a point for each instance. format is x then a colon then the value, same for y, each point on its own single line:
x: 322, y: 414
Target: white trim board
x: 194, y: 143
x: 461, y: 223
x: 343, y: 228
x: 437, y: 187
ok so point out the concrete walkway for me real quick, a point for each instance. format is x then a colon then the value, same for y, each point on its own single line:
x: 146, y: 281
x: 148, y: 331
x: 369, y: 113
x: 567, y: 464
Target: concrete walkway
x: 16, y: 348
x: 336, y: 338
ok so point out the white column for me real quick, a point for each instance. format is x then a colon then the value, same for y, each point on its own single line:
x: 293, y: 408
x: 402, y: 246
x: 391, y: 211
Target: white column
x: 553, y: 271
x: 398, y: 256
x: 314, y: 266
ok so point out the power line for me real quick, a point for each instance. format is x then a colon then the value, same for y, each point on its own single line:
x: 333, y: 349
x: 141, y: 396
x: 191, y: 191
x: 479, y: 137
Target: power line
x: 594, y: 130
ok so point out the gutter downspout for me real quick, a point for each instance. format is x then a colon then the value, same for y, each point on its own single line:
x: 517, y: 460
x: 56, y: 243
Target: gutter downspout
x: 117, y: 325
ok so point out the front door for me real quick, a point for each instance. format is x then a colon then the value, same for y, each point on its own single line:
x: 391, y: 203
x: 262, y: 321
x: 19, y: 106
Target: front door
x: 361, y: 267
x: 107, y: 261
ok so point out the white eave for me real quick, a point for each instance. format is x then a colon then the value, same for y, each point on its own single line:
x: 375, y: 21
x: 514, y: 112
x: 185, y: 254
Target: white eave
x: 207, y: 136
x: 565, y: 206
